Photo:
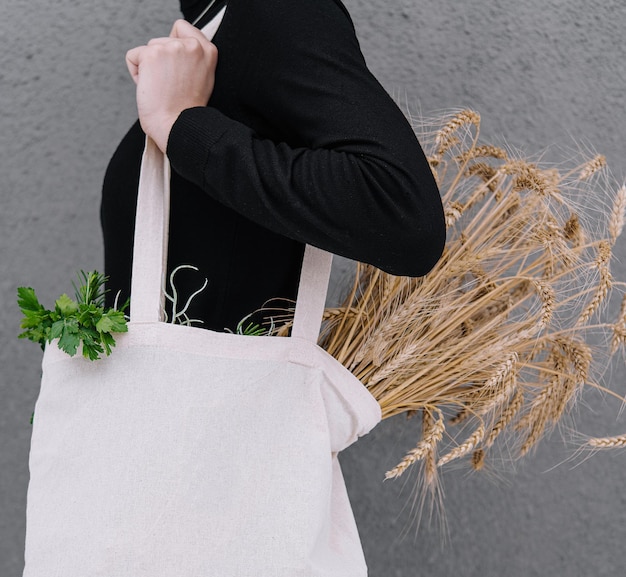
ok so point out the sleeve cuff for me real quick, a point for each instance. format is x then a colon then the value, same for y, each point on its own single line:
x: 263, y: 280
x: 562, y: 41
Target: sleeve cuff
x: 193, y: 135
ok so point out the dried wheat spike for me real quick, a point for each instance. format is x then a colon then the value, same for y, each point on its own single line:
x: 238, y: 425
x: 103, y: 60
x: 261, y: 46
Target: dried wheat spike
x: 552, y: 237
x: 567, y: 381
x: 453, y: 212
x: 619, y: 338
x: 580, y: 355
x: 591, y: 167
x: 282, y: 331
x: 463, y: 449
x: 334, y: 315
x: 444, y: 137
x: 507, y: 416
x: 604, y: 284
x: 604, y: 254
x: 488, y: 175
x: 448, y: 144
x: 429, y: 469
x: 483, y: 170
x: 460, y: 416
x: 546, y: 293
x: 535, y: 420
x: 547, y: 407
x: 483, y: 151
x: 536, y: 432
x: 430, y: 437
x: 502, y: 396
x: 503, y: 372
x: 478, y: 459
x: 573, y: 231
x: 390, y: 366
x: 567, y: 392
x: 462, y: 118
x: 616, y: 222
x: 384, y: 338
x: 528, y: 177
x: 466, y: 327
x: 619, y: 328
x: 607, y: 442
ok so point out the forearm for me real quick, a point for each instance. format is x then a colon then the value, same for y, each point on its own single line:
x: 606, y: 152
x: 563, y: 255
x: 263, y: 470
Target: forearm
x: 346, y: 200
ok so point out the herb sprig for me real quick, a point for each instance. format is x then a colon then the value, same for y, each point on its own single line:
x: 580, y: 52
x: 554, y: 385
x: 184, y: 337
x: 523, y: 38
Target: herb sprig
x: 82, y: 320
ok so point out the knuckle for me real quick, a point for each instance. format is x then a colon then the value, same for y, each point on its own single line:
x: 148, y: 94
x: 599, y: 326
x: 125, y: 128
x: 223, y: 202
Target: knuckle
x: 210, y: 54
x: 211, y: 50
x: 190, y: 43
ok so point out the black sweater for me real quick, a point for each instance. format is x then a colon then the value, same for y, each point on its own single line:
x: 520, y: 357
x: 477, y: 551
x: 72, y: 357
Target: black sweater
x: 299, y: 144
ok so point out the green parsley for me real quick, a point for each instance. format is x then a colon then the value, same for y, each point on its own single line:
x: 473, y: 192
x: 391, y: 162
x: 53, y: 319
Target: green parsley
x: 74, y: 322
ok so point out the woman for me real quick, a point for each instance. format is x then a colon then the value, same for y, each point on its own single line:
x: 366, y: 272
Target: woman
x: 298, y: 144
x: 221, y: 458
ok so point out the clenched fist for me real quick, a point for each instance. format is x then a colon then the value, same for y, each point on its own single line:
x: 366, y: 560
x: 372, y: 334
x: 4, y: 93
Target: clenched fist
x: 171, y: 74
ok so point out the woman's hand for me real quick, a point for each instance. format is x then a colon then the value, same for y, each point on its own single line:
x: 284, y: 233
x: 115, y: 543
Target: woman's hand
x: 171, y: 74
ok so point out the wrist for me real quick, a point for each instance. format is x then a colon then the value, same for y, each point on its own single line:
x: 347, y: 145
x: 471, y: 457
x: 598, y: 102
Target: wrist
x: 159, y: 130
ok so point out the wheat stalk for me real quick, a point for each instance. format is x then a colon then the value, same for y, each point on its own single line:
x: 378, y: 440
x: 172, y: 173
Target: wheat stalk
x: 500, y: 329
x: 516, y: 283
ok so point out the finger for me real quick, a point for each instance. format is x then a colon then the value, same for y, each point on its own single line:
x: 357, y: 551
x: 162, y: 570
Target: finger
x: 163, y: 40
x: 182, y: 29
x: 133, y: 56
x: 186, y: 43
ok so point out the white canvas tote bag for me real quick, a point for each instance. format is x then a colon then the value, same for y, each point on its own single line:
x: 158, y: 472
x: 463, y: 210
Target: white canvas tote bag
x: 192, y: 453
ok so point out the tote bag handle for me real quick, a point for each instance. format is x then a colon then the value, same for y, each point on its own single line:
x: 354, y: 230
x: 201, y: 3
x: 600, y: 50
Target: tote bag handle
x: 150, y: 254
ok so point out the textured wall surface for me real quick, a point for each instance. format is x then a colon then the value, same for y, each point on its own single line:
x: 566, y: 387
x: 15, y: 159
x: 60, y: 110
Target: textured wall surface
x: 541, y: 73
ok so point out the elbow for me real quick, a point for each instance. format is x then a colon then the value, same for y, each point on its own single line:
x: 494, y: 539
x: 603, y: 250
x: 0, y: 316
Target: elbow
x: 425, y: 253
x: 415, y: 237
x: 416, y: 248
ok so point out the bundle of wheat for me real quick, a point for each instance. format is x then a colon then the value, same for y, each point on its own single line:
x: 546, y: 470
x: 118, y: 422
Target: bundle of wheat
x: 499, y: 339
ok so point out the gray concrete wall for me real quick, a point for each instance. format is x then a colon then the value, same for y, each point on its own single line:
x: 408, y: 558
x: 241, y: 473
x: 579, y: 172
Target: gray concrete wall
x: 541, y: 72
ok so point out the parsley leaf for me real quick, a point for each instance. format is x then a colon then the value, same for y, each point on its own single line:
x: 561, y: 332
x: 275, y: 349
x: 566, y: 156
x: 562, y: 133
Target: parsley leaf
x: 73, y: 323
x: 65, y: 306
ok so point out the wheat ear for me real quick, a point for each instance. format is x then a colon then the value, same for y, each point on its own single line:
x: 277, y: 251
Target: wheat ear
x: 430, y: 438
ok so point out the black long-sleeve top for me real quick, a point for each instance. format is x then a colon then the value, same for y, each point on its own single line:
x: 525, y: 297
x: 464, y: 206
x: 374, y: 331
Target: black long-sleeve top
x: 298, y: 144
